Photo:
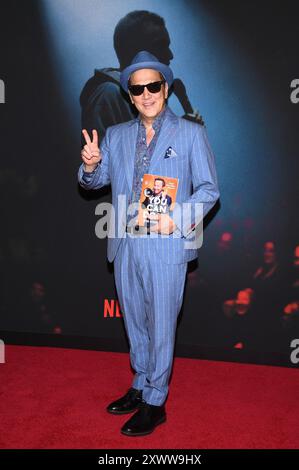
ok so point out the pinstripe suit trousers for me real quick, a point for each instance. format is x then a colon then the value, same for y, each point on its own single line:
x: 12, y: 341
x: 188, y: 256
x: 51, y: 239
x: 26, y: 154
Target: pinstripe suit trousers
x: 150, y: 294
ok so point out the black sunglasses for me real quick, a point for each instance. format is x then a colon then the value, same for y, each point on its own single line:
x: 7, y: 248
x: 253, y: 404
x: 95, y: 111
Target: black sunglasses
x: 153, y: 87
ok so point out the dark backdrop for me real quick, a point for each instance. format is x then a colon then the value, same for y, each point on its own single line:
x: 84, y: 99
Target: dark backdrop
x: 237, y: 60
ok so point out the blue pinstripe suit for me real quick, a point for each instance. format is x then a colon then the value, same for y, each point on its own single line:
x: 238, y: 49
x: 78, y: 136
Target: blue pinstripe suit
x: 150, y: 272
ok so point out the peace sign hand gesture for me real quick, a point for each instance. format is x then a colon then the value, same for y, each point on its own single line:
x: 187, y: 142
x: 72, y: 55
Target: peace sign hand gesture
x: 90, y: 153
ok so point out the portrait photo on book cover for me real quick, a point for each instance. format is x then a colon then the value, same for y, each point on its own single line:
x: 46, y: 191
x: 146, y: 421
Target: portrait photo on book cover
x: 158, y: 196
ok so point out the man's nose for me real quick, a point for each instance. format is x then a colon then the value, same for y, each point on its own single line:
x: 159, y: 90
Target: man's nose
x: 146, y: 93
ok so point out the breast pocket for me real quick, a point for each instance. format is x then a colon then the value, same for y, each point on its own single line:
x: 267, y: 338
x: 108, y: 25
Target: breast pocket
x: 174, y: 167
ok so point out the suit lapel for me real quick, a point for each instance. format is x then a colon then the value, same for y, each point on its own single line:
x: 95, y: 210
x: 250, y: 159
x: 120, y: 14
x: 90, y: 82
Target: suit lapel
x: 129, y: 138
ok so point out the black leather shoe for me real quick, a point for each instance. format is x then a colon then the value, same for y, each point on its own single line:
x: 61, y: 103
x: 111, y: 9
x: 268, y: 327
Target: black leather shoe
x: 145, y: 420
x: 126, y: 404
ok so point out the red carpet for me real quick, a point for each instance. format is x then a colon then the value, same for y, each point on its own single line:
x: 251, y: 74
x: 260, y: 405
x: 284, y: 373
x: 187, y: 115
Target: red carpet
x: 56, y: 398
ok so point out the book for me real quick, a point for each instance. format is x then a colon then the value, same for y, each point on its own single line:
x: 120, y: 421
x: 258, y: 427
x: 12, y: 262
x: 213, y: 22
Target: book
x: 157, y: 197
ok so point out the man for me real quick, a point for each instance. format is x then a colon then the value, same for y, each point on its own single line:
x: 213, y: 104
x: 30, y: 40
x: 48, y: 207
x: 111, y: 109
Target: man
x: 150, y: 270
x: 158, y: 192
x: 102, y: 100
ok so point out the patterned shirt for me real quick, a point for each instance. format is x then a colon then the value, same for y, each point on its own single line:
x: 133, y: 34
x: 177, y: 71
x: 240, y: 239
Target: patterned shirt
x: 143, y: 156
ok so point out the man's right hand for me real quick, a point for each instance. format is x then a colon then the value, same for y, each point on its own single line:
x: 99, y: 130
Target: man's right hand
x: 90, y: 153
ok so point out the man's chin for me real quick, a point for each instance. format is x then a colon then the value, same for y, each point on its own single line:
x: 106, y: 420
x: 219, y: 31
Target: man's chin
x: 150, y: 112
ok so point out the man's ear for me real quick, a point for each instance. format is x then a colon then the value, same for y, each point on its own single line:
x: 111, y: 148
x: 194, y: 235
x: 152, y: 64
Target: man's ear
x: 166, y: 90
x: 132, y: 101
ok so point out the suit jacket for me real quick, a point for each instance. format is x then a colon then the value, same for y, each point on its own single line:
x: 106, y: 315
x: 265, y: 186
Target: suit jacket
x: 192, y: 162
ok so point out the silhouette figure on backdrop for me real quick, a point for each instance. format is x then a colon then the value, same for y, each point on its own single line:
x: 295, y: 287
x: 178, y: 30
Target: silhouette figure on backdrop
x: 240, y: 313
x: 290, y: 312
x: 103, y: 103
x: 261, y: 302
x: 267, y: 286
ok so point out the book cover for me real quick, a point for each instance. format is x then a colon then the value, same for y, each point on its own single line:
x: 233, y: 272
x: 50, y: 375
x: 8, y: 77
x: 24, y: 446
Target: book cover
x: 158, y: 196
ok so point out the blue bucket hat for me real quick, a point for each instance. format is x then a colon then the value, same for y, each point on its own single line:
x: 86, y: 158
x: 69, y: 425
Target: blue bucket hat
x: 145, y: 60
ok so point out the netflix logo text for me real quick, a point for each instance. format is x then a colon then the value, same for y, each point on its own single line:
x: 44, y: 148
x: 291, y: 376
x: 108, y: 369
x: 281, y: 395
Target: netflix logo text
x: 112, y: 309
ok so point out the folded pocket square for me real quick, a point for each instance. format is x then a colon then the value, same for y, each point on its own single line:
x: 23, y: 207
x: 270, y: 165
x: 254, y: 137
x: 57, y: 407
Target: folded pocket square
x: 170, y: 153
